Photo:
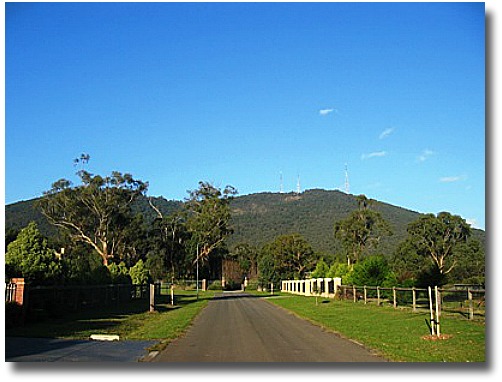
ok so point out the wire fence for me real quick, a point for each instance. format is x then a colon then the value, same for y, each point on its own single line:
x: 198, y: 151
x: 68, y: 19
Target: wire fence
x: 468, y: 302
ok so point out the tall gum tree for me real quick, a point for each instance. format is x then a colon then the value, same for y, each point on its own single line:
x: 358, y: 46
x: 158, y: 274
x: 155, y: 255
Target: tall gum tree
x: 361, y: 230
x: 208, y: 216
x: 96, y: 212
x: 437, y: 237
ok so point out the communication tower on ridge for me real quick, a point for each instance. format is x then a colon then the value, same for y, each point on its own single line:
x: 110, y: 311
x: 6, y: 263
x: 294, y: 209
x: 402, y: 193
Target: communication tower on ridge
x: 298, y: 187
x: 281, y: 189
x: 347, y: 186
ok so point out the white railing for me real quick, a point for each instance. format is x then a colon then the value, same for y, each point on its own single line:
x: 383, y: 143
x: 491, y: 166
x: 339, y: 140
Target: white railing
x: 325, y: 287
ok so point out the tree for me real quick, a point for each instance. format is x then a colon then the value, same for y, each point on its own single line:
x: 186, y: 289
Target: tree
x: 437, y: 237
x: 171, y: 241
x: 30, y: 257
x: 292, y: 256
x: 96, y: 212
x: 139, y: 273
x: 119, y: 273
x: 361, y: 230
x: 208, y: 217
x: 321, y: 270
x: 246, y: 256
x: 470, y: 267
x: 373, y: 271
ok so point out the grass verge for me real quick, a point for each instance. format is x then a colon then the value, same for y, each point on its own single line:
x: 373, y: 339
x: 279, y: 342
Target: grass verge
x: 397, y: 334
x: 131, y: 321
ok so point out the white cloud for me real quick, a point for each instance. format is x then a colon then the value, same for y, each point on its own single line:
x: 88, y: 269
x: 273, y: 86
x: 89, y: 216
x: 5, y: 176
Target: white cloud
x: 375, y: 154
x: 452, y: 179
x: 386, y: 133
x: 425, y: 155
x: 326, y: 111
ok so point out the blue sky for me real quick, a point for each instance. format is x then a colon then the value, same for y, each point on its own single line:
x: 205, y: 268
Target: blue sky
x: 238, y: 93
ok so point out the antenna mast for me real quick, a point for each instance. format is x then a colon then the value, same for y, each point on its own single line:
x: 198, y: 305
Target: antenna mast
x: 347, y: 186
x: 281, y: 189
x: 298, y: 187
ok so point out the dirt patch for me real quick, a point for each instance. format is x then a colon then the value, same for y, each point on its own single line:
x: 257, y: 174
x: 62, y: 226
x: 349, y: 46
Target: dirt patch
x: 437, y: 338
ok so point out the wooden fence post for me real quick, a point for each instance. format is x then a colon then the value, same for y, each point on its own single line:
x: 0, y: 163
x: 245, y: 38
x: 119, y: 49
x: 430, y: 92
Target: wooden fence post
x: 471, y: 306
x: 152, y: 297
x: 394, y: 296
x: 378, y: 296
x: 365, y: 295
x: 438, y: 310
x: 414, y: 299
x: 354, y: 292
x: 433, y: 323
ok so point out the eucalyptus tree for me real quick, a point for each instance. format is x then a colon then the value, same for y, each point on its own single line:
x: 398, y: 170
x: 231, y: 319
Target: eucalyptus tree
x: 171, y: 243
x: 291, y: 256
x: 361, y: 230
x: 438, y: 237
x: 208, y: 218
x: 95, y: 212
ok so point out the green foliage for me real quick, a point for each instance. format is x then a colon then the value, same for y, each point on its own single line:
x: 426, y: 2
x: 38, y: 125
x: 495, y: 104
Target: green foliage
x: 436, y: 237
x: 208, y: 218
x: 470, y: 266
x: 268, y: 271
x: 256, y: 219
x: 341, y: 270
x: 29, y: 256
x: 139, y: 273
x: 321, y: 270
x: 246, y: 255
x: 97, y: 212
x: 215, y: 285
x: 373, y: 271
x: 156, y: 264
x: 287, y: 257
x: 119, y: 273
x: 361, y: 230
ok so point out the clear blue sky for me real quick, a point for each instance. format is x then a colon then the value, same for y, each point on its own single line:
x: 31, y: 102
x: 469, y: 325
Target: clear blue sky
x: 238, y: 93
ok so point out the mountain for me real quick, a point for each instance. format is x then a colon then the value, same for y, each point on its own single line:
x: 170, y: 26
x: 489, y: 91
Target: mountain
x: 259, y: 218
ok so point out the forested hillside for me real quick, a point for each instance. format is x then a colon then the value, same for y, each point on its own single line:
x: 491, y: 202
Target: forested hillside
x: 259, y: 218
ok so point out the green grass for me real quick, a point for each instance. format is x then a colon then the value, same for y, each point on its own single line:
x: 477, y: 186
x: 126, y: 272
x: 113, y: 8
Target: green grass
x: 394, y: 333
x: 131, y: 321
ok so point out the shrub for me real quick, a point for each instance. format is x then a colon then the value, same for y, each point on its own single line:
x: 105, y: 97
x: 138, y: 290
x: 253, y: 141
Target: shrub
x: 215, y: 285
x: 139, y: 273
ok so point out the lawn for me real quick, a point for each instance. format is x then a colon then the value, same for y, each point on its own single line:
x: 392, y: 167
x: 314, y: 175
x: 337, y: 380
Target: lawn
x: 394, y: 333
x: 131, y: 321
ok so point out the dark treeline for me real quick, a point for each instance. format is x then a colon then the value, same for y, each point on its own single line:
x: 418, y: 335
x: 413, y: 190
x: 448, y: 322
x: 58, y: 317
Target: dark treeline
x: 281, y: 235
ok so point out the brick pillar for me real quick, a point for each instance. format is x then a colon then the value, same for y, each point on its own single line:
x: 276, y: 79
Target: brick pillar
x: 20, y: 288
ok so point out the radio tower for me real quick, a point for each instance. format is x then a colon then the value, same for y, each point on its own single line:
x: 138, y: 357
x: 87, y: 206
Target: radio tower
x: 298, y: 188
x: 347, y: 187
x: 281, y: 189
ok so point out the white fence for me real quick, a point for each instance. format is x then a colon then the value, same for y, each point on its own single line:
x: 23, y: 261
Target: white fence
x: 325, y: 287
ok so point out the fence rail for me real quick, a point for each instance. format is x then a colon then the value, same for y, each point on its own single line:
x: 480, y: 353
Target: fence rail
x: 10, y: 292
x: 42, y: 302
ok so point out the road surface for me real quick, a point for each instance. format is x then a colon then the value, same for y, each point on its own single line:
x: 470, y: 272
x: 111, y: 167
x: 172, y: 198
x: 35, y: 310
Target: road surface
x: 20, y: 349
x: 235, y: 327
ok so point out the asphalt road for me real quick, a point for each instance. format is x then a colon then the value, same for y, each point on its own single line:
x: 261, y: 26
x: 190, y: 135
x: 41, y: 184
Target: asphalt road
x: 20, y: 349
x: 236, y: 327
